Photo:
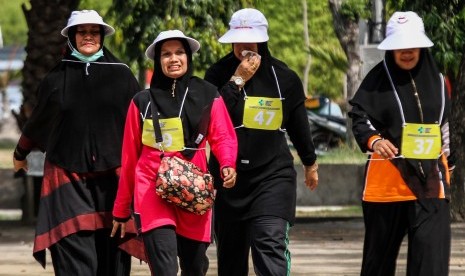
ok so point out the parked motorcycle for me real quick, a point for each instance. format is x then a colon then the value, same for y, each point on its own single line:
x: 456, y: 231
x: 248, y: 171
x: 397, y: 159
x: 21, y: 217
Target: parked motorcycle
x: 327, y: 123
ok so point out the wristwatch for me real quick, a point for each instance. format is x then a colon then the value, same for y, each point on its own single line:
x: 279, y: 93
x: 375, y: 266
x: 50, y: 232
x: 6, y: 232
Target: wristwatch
x: 239, y: 81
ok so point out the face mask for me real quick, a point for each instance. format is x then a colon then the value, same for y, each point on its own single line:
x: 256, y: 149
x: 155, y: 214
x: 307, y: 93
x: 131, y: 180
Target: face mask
x: 84, y: 58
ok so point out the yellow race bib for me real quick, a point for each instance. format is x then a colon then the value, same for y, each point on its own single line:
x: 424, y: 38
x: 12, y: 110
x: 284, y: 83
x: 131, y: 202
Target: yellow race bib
x: 263, y: 113
x: 172, y: 133
x: 421, y: 141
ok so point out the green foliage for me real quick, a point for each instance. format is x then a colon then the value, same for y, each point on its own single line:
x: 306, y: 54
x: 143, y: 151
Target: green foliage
x: 331, y: 57
x: 100, y: 6
x: 137, y: 22
x: 207, y: 21
x: 343, y: 155
x: 287, y: 42
x: 12, y: 22
x: 140, y: 21
x: 355, y: 10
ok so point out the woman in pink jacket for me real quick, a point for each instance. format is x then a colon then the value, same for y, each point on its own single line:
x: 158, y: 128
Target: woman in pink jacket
x: 169, y: 232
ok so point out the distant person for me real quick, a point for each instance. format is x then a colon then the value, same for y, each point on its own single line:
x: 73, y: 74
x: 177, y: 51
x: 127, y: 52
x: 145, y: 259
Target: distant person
x: 78, y: 122
x: 400, y: 117
x: 168, y: 231
x: 265, y: 100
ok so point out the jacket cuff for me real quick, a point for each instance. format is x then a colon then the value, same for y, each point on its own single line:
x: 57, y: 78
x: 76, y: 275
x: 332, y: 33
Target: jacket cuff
x: 373, y: 140
x: 20, y: 154
x: 121, y: 219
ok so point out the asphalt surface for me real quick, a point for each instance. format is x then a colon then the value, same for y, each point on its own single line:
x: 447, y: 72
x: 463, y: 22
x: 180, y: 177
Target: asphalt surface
x: 318, y: 247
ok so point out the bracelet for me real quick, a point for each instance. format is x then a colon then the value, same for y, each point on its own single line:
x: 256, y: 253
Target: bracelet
x: 374, y: 142
x: 314, y: 167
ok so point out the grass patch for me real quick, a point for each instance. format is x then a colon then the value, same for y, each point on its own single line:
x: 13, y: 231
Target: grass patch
x: 343, y: 155
x: 329, y: 211
x: 14, y: 214
x: 6, y: 158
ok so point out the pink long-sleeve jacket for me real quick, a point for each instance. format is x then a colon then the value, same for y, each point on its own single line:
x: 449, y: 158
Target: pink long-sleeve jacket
x: 140, y: 164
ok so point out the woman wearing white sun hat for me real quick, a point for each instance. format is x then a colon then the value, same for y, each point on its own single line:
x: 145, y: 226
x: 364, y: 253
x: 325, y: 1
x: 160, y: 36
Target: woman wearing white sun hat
x: 265, y: 100
x: 78, y: 122
x: 400, y: 117
x: 169, y: 232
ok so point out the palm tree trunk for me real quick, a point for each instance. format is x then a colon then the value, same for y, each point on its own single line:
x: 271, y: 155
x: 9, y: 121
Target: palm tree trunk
x: 45, y: 46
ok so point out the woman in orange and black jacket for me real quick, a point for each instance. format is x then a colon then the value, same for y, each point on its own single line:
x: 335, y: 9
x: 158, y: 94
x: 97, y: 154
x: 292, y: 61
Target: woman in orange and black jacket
x: 400, y: 117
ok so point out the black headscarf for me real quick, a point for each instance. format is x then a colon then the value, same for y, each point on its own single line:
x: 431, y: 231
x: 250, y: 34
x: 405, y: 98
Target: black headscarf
x: 376, y: 97
x: 81, y: 110
x: 264, y: 84
x: 197, y: 106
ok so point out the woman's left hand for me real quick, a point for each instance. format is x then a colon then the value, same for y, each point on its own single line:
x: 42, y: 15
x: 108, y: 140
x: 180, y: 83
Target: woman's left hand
x: 311, y: 176
x: 116, y: 225
x: 229, y: 177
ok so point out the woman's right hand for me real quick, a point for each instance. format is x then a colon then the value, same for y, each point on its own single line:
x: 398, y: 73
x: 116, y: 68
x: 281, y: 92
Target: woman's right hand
x: 385, y: 148
x: 20, y: 164
x: 116, y: 225
x: 229, y: 177
x: 248, y: 66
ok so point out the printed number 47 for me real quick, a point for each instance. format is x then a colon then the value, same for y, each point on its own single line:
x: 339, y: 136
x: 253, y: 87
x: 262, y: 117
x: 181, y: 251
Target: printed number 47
x: 260, y: 117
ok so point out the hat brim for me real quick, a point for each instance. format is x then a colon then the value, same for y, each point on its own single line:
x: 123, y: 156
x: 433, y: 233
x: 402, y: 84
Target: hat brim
x: 193, y: 44
x: 405, y: 41
x: 109, y: 30
x: 244, y: 35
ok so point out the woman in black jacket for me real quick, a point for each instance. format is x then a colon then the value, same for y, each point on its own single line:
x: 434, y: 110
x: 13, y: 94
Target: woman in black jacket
x: 78, y: 122
x: 265, y: 100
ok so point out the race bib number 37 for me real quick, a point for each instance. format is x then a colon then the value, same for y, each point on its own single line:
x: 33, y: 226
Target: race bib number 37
x: 421, y: 141
x: 263, y: 113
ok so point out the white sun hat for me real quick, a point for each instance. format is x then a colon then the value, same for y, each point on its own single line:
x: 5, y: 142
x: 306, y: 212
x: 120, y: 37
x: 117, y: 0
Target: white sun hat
x: 194, y: 44
x: 246, y: 26
x: 86, y: 17
x: 405, y: 30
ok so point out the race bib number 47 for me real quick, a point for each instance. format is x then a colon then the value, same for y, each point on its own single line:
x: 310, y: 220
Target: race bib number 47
x: 263, y: 113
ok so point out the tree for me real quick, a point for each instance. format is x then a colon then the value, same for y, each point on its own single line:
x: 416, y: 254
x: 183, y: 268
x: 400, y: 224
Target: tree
x: 140, y: 21
x: 346, y: 16
x: 44, y: 46
x: 457, y: 127
x: 307, y: 45
x: 288, y: 43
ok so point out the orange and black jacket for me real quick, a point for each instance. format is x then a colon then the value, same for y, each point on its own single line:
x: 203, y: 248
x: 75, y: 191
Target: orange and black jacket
x: 376, y: 114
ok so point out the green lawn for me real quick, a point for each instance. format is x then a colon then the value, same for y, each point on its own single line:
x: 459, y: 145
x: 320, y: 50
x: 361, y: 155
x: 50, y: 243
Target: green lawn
x: 6, y: 158
x: 341, y: 155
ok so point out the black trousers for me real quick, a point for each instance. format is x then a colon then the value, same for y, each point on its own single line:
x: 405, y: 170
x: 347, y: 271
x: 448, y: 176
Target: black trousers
x: 427, y: 224
x: 91, y: 253
x: 267, y: 238
x: 163, y: 247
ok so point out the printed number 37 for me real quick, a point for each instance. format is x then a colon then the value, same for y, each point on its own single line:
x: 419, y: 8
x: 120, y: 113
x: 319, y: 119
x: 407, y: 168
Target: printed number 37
x: 423, y: 146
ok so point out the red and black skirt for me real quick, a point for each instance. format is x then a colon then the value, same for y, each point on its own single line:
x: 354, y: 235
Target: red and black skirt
x: 72, y: 202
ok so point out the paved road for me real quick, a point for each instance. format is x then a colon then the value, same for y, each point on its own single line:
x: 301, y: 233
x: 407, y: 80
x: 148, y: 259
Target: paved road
x: 318, y: 247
